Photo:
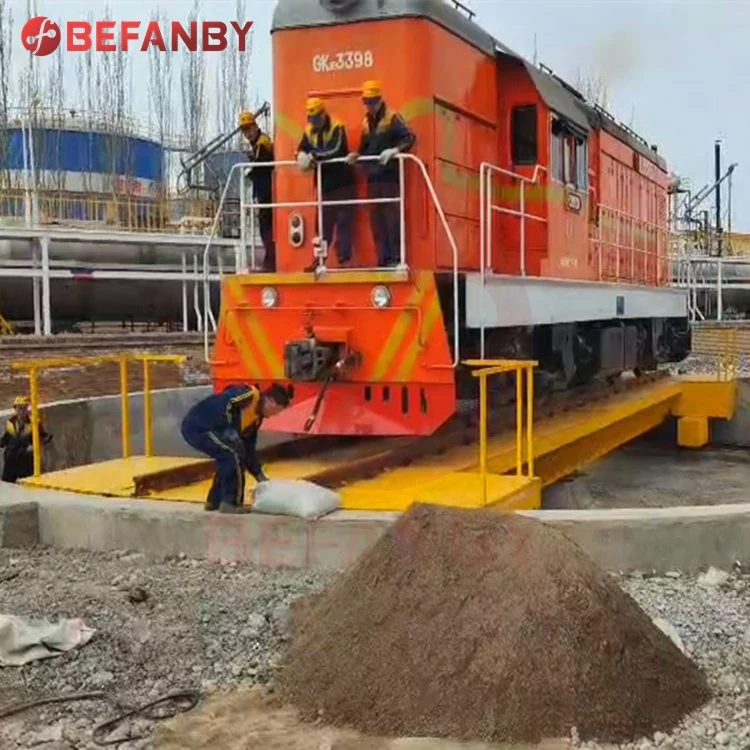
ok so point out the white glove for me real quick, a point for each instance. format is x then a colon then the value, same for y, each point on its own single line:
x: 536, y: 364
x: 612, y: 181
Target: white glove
x: 352, y: 158
x: 387, y: 155
x: 304, y: 161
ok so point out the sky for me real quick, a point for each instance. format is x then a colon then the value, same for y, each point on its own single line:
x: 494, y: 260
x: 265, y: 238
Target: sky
x: 675, y: 70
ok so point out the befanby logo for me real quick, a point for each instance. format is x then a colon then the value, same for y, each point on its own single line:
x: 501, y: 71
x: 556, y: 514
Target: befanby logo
x: 41, y: 36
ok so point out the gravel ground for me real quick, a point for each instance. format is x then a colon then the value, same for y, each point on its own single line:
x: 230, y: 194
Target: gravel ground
x: 202, y: 626
x: 205, y: 626
x: 714, y: 625
x: 703, y: 364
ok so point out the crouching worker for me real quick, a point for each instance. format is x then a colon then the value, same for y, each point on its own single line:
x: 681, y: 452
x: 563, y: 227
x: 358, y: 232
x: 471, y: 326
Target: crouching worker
x: 18, y: 444
x: 225, y: 427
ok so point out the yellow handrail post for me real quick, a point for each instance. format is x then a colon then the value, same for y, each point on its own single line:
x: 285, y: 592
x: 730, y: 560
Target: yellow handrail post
x: 35, y: 440
x: 147, y: 415
x: 125, y: 406
x: 519, y: 422
x: 530, y: 417
x: 483, y: 434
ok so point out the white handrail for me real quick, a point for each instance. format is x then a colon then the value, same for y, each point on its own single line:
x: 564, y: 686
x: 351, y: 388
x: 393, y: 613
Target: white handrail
x: 454, y: 249
x: 318, y: 203
x: 486, y: 207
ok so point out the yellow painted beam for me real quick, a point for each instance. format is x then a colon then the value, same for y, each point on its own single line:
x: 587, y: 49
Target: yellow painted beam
x: 296, y: 279
x: 707, y: 398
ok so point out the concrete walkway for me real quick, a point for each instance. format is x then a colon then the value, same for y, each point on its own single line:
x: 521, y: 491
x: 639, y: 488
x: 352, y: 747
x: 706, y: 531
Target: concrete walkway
x: 658, y: 539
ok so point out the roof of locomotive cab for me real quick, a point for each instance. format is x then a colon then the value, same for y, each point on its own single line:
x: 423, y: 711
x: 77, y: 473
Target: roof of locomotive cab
x: 563, y: 99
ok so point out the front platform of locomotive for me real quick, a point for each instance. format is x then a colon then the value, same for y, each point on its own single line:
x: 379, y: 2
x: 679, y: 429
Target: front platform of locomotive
x: 365, y: 346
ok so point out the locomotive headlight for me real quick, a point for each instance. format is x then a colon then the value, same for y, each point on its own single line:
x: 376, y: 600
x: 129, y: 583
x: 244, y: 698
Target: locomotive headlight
x: 381, y: 297
x: 269, y: 297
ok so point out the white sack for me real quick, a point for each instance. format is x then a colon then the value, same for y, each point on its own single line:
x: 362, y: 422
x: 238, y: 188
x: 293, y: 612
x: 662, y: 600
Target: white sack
x: 294, y: 497
x: 23, y: 641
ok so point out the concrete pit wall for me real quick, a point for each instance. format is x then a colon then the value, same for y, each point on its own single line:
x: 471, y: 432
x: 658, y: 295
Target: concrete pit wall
x: 88, y: 430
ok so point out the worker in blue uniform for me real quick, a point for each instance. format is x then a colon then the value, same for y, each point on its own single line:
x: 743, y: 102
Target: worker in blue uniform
x: 385, y: 134
x: 17, y: 443
x: 261, y: 177
x: 325, y: 139
x: 225, y: 427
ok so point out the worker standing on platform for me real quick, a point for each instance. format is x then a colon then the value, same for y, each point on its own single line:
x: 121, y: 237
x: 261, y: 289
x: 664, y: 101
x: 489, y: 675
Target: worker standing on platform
x: 225, y: 427
x: 384, y: 134
x: 17, y: 442
x: 262, y: 182
x: 325, y: 139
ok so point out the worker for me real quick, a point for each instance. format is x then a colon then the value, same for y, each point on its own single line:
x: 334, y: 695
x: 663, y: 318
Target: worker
x: 225, y: 427
x: 384, y: 134
x: 261, y: 150
x: 17, y: 442
x: 325, y: 139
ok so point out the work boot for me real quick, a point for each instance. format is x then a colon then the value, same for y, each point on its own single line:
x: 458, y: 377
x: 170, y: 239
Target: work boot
x: 209, y: 506
x: 230, y: 508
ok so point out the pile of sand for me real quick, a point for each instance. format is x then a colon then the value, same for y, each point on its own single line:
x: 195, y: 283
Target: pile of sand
x: 475, y: 625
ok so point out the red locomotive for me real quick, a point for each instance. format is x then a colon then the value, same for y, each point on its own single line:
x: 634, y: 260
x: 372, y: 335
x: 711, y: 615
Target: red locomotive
x: 534, y: 226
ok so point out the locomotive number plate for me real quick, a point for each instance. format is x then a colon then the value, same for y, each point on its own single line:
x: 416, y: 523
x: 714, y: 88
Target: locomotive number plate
x: 349, y: 60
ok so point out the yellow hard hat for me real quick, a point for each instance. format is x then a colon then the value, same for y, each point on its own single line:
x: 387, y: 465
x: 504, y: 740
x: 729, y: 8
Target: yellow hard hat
x: 247, y: 119
x: 21, y: 401
x: 371, y: 90
x: 314, y: 106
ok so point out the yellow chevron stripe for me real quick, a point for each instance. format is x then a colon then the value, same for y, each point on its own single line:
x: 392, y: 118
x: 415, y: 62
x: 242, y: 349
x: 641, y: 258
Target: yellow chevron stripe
x: 430, y: 317
x: 399, y: 331
x: 268, y: 360
x: 235, y: 331
x: 268, y: 353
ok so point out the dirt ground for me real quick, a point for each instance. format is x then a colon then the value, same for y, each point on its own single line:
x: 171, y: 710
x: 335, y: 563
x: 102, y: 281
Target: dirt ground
x: 248, y: 720
x: 652, y: 473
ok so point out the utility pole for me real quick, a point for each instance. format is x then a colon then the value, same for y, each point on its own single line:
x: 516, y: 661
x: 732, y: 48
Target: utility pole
x: 717, y: 160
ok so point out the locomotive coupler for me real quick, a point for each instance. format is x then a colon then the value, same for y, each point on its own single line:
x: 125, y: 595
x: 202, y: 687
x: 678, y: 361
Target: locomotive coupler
x: 352, y: 359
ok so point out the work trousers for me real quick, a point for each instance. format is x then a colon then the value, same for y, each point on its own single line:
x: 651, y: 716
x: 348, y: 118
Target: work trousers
x: 17, y: 465
x: 385, y: 220
x: 265, y: 222
x: 227, y: 451
x: 339, y: 219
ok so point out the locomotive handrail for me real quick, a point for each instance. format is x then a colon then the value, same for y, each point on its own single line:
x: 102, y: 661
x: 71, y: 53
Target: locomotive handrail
x: 242, y: 262
x: 486, y: 169
x: 635, y: 223
x: 319, y: 204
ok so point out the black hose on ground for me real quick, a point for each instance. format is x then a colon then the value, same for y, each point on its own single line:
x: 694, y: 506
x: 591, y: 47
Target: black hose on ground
x: 99, y: 735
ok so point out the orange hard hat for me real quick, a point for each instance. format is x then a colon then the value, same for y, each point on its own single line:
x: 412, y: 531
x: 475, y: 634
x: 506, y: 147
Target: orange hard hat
x: 372, y: 90
x: 247, y: 119
x: 314, y: 106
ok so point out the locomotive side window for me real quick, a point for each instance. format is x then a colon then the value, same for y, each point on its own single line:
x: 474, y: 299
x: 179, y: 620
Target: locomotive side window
x: 523, y: 135
x: 582, y: 164
x: 568, y: 155
x: 557, y: 150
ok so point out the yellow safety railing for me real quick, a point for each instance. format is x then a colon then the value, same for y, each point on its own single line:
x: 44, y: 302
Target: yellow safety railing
x: 33, y: 367
x: 488, y: 368
x: 726, y: 360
